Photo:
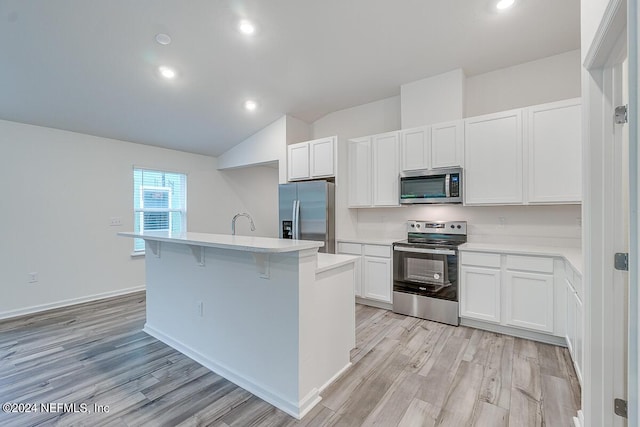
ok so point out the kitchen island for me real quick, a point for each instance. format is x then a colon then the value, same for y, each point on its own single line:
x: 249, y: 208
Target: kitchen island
x: 273, y: 316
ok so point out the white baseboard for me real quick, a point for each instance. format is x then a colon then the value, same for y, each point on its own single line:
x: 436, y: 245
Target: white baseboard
x: 516, y: 332
x: 65, y: 303
x: 295, y: 409
x: 374, y: 303
x: 335, y: 377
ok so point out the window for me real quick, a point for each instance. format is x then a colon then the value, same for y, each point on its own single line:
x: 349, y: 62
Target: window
x: 159, y: 202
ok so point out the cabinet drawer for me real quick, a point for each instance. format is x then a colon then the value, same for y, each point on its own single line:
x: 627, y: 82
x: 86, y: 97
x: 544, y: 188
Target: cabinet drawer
x: 350, y: 248
x: 530, y: 263
x: 377, y: 250
x: 480, y: 259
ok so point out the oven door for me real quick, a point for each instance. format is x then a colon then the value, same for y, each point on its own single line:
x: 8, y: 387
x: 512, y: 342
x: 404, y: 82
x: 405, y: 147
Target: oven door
x: 427, y: 272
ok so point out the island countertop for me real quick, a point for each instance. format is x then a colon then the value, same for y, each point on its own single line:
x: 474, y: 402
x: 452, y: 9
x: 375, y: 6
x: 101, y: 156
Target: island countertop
x: 227, y: 241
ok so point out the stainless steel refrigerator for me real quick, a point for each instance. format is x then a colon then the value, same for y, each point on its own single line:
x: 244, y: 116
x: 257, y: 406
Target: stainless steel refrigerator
x: 307, y: 212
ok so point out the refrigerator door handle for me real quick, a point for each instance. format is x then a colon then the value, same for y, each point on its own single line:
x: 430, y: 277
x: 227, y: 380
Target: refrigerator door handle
x: 293, y: 220
x: 295, y: 215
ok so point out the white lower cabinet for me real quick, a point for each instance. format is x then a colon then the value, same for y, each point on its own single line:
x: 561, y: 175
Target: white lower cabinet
x: 480, y: 293
x: 529, y: 300
x: 571, y: 317
x: 575, y: 326
x: 373, y: 270
x: 508, y: 289
x: 535, y: 296
x: 377, y: 278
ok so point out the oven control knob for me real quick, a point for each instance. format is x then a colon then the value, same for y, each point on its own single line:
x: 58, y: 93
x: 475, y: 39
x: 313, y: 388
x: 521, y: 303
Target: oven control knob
x: 436, y: 276
x: 417, y: 225
x: 453, y: 226
x: 459, y: 227
x: 413, y: 225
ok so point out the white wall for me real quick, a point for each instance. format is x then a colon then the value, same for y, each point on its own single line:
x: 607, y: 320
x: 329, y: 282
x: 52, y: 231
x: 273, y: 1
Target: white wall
x: 375, y: 117
x: 548, y: 79
x: 523, y: 223
x: 591, y: 13
x: 265, y: 146
x: 432, y: 100
x: 61, y: 189
x: 256, y: 191
x: 297, y: 130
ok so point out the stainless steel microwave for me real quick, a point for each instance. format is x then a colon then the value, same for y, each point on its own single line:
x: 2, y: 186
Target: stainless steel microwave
x: 431, y: 186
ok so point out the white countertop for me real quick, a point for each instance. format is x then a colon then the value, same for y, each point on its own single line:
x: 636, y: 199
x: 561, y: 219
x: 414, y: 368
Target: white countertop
x: 227, y: 241
x: 387, y: 241
x: 572, y: 255
x: 331, y: 261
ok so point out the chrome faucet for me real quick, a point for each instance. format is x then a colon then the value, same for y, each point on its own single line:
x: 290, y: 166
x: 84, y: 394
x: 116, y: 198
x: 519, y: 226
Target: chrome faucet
x: 233, y: 222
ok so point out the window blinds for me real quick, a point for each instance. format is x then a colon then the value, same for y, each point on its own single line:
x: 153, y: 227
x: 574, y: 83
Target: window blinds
x: 159, y: 202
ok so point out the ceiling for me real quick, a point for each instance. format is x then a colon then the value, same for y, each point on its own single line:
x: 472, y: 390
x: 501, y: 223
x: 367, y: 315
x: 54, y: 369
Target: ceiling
x: 92, y: 66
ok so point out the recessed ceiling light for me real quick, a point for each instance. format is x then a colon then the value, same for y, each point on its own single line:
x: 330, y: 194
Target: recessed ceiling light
x: 167, y: 72
x: 163, y: 39
x: 246, y: 27
x: 504, y: 4
x: 250, y: 105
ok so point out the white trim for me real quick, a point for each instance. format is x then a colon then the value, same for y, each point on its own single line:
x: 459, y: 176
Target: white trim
x: 603, y: 41
x: 597, y: 401
x: 374, y: 303
x: 515, y: 332
x: 633, y: 397
x: 65, y: 303
x: 335, y: 377
x: 295, y: 409
x: 158, y: 169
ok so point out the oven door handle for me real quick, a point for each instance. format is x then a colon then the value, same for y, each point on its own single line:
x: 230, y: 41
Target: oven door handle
x: 424, y: 250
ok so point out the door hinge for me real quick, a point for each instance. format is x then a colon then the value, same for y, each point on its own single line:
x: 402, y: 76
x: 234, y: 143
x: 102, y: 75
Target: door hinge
x: 621, y: 115
x: 620, y: 407
x: 621, y: 261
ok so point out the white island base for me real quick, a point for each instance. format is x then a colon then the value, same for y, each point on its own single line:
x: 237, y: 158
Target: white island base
x: 265, y: 315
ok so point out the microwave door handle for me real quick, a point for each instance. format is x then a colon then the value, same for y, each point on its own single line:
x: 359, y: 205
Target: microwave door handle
x: 447, y: 183
x: 424, y: 250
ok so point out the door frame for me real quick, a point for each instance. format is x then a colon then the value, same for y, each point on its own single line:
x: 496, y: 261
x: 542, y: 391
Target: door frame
x: 597, y: 396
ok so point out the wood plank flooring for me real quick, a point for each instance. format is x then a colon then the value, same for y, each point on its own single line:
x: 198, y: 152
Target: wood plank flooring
x: 406, y: 372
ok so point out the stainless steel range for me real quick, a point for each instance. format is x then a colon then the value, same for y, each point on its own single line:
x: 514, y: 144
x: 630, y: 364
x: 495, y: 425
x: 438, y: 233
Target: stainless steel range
x: 425, y: 270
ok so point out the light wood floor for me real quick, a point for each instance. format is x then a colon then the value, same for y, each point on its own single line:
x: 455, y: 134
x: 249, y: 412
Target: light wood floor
x: 406, y: 372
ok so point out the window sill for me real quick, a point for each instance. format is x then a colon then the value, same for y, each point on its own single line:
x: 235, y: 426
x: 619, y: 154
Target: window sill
x: 137, y: 254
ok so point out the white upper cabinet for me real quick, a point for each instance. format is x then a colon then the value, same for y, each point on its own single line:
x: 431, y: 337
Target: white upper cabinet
x: 374, y: 170
x: 312, y: 159
x: 385, y: 169
x: 493, y: 159
x: 360, y: 159
x: 447, y: 144
x: 416, y: 148
x: 432, y: 147
x: 322, y: 157
x: 298, y: 158
x: 554, y: 146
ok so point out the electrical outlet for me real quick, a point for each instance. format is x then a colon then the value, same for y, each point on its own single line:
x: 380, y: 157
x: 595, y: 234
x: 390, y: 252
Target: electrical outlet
x: 116, y: 221
x: 579, y: 221
x: 502, y: 221
x: 33, y: 277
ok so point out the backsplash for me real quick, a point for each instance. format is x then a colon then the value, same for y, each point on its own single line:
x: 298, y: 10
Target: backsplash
x: 536, y: 225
